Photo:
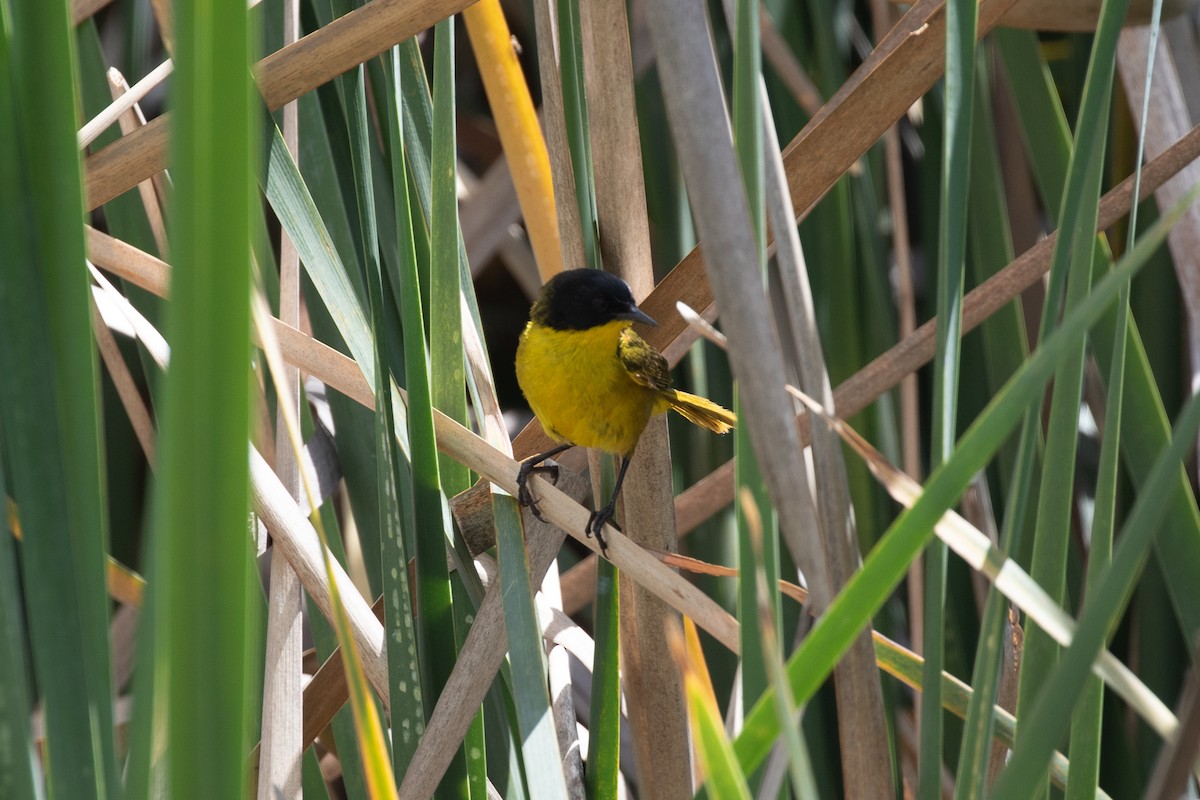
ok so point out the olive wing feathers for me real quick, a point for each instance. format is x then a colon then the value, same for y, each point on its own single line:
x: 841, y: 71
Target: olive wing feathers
x: 645, y: 365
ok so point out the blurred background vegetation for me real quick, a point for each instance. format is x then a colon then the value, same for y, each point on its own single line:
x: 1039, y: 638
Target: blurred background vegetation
x: 392, y: 182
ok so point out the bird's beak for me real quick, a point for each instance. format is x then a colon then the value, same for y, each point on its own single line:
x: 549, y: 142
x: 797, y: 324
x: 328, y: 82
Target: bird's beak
x: 637, y: 315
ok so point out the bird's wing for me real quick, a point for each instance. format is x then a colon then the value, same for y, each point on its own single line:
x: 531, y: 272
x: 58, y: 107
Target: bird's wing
x: 645, y: 365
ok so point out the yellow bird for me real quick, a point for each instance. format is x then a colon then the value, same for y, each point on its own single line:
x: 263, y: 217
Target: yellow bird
x: 592, y: 381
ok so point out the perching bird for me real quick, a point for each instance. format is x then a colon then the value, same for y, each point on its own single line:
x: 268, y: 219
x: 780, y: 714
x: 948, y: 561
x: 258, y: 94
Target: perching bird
x: 592, y: 382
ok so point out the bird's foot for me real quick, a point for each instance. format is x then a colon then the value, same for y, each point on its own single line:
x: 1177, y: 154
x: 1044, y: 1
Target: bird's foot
x: 596, y: 523
x: 524, y: 494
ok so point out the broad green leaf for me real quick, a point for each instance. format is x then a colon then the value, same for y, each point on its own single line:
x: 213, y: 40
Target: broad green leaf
x: 201, y: 494
x: 49, y: 399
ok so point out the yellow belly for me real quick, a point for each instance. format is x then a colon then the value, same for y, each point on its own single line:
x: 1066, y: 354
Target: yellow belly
x: 579, y: 389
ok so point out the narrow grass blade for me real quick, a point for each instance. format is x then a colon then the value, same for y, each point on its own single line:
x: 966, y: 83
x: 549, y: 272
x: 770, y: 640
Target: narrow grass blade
x: 751, y: 491
x: 1005, y: 347
x: 339, y: 288
x: 1072, y: 266
x: 575, y: 110
x: 1147, y: 429
x: 326, y: 641
x: 446, y: 362
x: 723, y: 776
x: 1087, y: 723
x: 20, y: 773
x: 418, y: 134
x: 1049, y: 717
x: 961, y: 20
x: 354, y: 425
x: 960, y: 697
x: 408, y: 714
x: 447, y: 383
x: 314, y: 786
x: 747, y: 113
x: 539, y: 743
x: 387, y: 473
x: 380, y: 779
x: 1086, y: 727
x: 767, y: 611
x: 604, y: 734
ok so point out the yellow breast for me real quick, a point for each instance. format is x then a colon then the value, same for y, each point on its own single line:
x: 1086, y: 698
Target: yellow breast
x: 579, y: 389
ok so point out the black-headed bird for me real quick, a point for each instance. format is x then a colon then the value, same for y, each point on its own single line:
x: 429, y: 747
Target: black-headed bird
x: 592, y: 381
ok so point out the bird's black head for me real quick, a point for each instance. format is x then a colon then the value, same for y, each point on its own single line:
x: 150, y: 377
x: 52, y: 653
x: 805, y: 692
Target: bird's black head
x: 578, y: 299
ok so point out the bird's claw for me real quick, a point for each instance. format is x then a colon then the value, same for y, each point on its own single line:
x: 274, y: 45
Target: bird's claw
x: 524, y: 494
x: 596, y: 523
x: 532, y: 504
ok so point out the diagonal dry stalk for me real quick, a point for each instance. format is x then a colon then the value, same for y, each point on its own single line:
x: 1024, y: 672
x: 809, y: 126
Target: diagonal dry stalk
x: 282, y: 76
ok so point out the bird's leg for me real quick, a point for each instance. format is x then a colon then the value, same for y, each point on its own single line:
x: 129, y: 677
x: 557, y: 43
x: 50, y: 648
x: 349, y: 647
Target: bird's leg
x: 605, y: 514
x: 528, y: 467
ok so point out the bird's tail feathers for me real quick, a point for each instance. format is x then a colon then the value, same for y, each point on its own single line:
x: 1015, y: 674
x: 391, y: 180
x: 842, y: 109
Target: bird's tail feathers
x: 700, y: 411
